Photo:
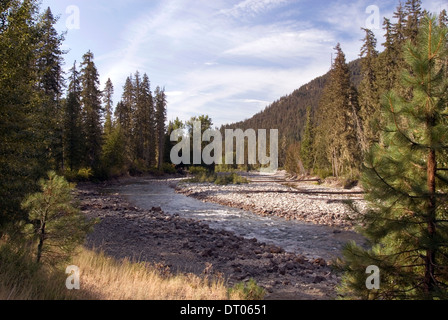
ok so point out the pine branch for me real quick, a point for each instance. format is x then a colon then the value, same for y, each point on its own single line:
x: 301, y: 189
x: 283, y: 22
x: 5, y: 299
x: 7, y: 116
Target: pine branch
x: 392, y: 188
x: 413, y: 143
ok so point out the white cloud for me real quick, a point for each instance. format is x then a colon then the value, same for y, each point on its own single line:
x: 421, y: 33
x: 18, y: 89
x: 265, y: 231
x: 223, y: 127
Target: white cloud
x: 236, y: 92
x: 287, y: 44
x: 252, y: 7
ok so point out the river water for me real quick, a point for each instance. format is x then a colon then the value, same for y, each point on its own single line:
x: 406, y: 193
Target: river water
x: 312, y: 241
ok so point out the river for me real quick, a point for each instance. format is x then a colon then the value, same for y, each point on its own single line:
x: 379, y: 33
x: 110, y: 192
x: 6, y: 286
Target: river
x: 310, y: 240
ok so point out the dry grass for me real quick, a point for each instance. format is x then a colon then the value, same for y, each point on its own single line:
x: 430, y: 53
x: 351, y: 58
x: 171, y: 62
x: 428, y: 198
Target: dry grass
x: 109, y: 279
x: 104, y: 278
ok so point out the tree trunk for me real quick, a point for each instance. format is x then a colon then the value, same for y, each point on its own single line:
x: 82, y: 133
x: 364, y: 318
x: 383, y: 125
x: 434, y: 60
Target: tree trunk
x: 41, y: 242
x: 430, y: 282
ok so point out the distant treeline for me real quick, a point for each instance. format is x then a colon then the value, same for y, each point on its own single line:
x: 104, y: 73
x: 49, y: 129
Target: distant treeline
x: 50, y: 120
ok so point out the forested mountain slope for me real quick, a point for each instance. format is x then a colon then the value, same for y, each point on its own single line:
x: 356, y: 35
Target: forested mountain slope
x: 288, y: 114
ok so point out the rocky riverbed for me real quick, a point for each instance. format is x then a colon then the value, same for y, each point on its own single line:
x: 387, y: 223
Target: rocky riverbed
x: 189, y: 246
x: 292, y: 200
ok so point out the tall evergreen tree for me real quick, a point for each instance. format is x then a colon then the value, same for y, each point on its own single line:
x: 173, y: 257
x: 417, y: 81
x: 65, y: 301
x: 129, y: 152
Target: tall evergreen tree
x: 123, y: 114
x: 369, y: 97
x: 108, y: 105
x: 413, y: 10
x: 91, y: 110
x: 19, y: 144
x: 138, y: 118
x: 49, y: 63
x: 148, y: 123
x: 407, y: 184
x: 338, y: 125
x: 160, y: 123
x: 387, y: 61
x: 399, y: 27
x: 306, y: 146
x: 73, y: 144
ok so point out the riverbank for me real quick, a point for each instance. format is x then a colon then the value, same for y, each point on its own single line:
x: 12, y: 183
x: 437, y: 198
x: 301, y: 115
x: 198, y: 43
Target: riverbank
x: 290, y: 199
x: 188, y: 246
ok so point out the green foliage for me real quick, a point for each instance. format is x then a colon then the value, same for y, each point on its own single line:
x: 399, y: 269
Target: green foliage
x: 198, y: 170
x: 202, y: 175
x: 306, y: 145
x: 233, y: 178
x: 168, y: 168
x: 91, y: 111
x: 293, y: 162
x: 406, y: 182
x: 58, y: 227
x: 80, y: 175
x: 339, y: 121
x: 369, y: 98
x: 249, y: 290
x: 113, y: 160
x: 22, y: 160
x: 160, y: 124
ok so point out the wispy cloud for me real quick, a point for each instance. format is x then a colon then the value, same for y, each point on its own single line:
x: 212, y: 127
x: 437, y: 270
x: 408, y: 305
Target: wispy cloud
x: 252, y: 7
x: 225, y: 58
x: 286, y: 44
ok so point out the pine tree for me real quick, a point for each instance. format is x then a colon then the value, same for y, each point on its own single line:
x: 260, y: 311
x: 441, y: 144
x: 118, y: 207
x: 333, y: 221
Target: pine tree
x: 160, y: 122
x: 91, y: 111
x: 73, y: 144
x: 369, y: 98
x: 306, y: 146
x: 406, y: 184
x: 398, y: 40
x: 113, y: 160
x: 59, y: 226
x: 293, y: 162
x: 413, y: 10
x: 49, y: 63
x: 387, y: 61
x: 108, y: 94
x: 19, y: 144
x: 339, y: 120
x: 399, y: 27
x: 137, y: 119
x: 148, y: 123
x: 123, y: 114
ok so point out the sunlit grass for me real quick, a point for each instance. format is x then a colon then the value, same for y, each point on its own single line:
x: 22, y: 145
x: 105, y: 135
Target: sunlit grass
x: 103, y: 278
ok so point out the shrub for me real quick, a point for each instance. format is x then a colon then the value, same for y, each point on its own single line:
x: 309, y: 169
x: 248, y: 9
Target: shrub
x: 168, y: 168
x: 248, y: 291
x: 81, y: 175
x: 232, y: 178
x: 58, y: 226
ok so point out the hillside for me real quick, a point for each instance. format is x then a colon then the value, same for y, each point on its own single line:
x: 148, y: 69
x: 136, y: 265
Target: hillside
x: 288, y: 113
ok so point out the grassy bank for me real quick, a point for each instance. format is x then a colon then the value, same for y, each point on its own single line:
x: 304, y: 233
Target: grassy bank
x: 104, y: 278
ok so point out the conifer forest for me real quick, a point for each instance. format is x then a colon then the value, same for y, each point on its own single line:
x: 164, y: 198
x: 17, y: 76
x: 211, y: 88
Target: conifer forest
x: 376, y: 126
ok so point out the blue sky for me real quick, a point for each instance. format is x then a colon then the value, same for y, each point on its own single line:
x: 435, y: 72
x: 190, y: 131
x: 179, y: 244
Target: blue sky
x: 228, y: 59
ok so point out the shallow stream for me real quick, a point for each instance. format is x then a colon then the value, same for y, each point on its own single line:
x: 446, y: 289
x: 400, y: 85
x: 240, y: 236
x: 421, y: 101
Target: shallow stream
x: 310, y: 240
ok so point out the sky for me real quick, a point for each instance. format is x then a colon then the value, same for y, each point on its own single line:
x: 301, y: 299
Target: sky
x: 228, y: 59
